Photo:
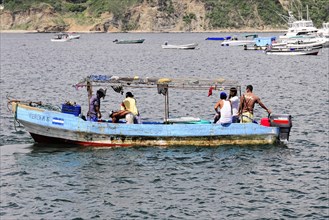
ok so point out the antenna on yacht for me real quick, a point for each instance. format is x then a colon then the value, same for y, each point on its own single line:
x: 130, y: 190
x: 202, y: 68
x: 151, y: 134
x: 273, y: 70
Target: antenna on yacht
x: 307, y: 13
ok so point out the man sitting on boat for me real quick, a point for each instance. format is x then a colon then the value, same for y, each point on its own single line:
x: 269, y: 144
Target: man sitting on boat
x: 95, y: 104
x: 225, y: 110
x: 247, y: 104
x: 128, y: 110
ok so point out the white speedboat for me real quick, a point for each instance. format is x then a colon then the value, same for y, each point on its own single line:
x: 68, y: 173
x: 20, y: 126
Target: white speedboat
x: 307, y: 40
x: 234, y: 41
x: 295, y: 48
x: 61, y: 37
x: 181, y: 46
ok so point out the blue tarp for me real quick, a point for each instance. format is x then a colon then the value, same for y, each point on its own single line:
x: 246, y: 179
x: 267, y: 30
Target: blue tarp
x: 219, y: 38
x: 264, y: 41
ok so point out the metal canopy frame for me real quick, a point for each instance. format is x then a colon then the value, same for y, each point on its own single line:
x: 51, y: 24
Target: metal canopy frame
x: 161, y: 84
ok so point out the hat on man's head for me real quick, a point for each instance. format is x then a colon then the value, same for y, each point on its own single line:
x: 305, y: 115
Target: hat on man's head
x: 223, y: 95
x: 102, y: 92
x: 129, y: 94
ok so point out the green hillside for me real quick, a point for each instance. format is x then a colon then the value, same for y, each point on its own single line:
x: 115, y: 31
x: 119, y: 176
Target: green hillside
x: 220, y: 13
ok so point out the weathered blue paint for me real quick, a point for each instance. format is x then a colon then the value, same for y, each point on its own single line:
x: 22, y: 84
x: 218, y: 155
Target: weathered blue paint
x: 60, y: 126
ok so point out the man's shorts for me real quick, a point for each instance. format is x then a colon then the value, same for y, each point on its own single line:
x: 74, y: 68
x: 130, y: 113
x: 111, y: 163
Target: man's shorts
x: 247, y: 117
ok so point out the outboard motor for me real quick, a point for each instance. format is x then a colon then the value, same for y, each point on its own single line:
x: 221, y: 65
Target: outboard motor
x: 284, y: 122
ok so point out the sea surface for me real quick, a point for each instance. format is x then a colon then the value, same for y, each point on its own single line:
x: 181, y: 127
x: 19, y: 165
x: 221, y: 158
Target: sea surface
x: 225, y: 182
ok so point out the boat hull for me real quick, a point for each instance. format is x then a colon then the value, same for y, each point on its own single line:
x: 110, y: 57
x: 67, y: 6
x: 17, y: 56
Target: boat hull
x: 140, y: 41
x: 57, y: 128
x: 295, y: 48
x: 237, y: 42
x: 293, y: 51
x: 123, y: 141
x: 251, y: 47
x: 182, y: 47
x: 60, y: 40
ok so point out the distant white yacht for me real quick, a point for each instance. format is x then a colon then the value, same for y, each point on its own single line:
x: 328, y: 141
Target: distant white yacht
x: 302, y: 31
x: 299, y: 27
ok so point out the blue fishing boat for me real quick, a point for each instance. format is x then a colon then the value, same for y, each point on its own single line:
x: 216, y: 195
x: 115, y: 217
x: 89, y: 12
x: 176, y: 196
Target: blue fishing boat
x: 67, y: 125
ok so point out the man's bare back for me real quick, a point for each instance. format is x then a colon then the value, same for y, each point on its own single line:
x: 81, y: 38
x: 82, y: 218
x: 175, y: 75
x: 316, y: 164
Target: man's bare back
x: 248, y: 100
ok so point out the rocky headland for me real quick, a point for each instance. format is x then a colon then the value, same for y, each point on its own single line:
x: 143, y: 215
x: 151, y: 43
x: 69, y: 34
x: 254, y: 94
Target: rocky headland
x: 147, y: 16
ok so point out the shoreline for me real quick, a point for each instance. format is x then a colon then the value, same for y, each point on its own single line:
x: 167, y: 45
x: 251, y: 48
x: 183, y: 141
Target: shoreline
x: 93, y: 32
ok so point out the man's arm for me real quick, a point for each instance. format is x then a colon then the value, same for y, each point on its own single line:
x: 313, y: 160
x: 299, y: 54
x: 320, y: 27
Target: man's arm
x: 263, y: 106
x: 217, y: 106
x: 240, y: 105
x: 98, y: 113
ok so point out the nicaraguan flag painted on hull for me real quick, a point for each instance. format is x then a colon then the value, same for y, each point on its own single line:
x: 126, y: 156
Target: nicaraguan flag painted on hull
x: 58, y: 121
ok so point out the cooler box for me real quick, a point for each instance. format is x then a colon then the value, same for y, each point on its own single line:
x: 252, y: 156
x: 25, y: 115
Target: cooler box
x: 71, y: 109
x: 265, y: 122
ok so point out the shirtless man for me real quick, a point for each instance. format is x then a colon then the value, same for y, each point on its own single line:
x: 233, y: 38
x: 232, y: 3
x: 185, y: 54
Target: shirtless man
x: 247, y: 103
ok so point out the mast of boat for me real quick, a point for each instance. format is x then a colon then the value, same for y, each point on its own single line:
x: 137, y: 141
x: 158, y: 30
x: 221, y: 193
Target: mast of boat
x: 166, y: 117
x: 90, y: 93
x: 307, y: 18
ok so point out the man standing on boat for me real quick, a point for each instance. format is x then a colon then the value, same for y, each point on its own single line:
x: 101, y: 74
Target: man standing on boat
x: 234, y: 99
x: 247, y: 104
x: 94, y: 112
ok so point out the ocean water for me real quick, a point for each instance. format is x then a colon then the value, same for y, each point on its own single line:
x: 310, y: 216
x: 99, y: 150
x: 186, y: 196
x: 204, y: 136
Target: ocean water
x: 227, y: 182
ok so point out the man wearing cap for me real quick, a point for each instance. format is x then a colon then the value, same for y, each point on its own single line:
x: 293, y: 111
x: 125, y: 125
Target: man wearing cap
x: 95, y: 104
x: 225, y: 107
x: 247, y: 104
